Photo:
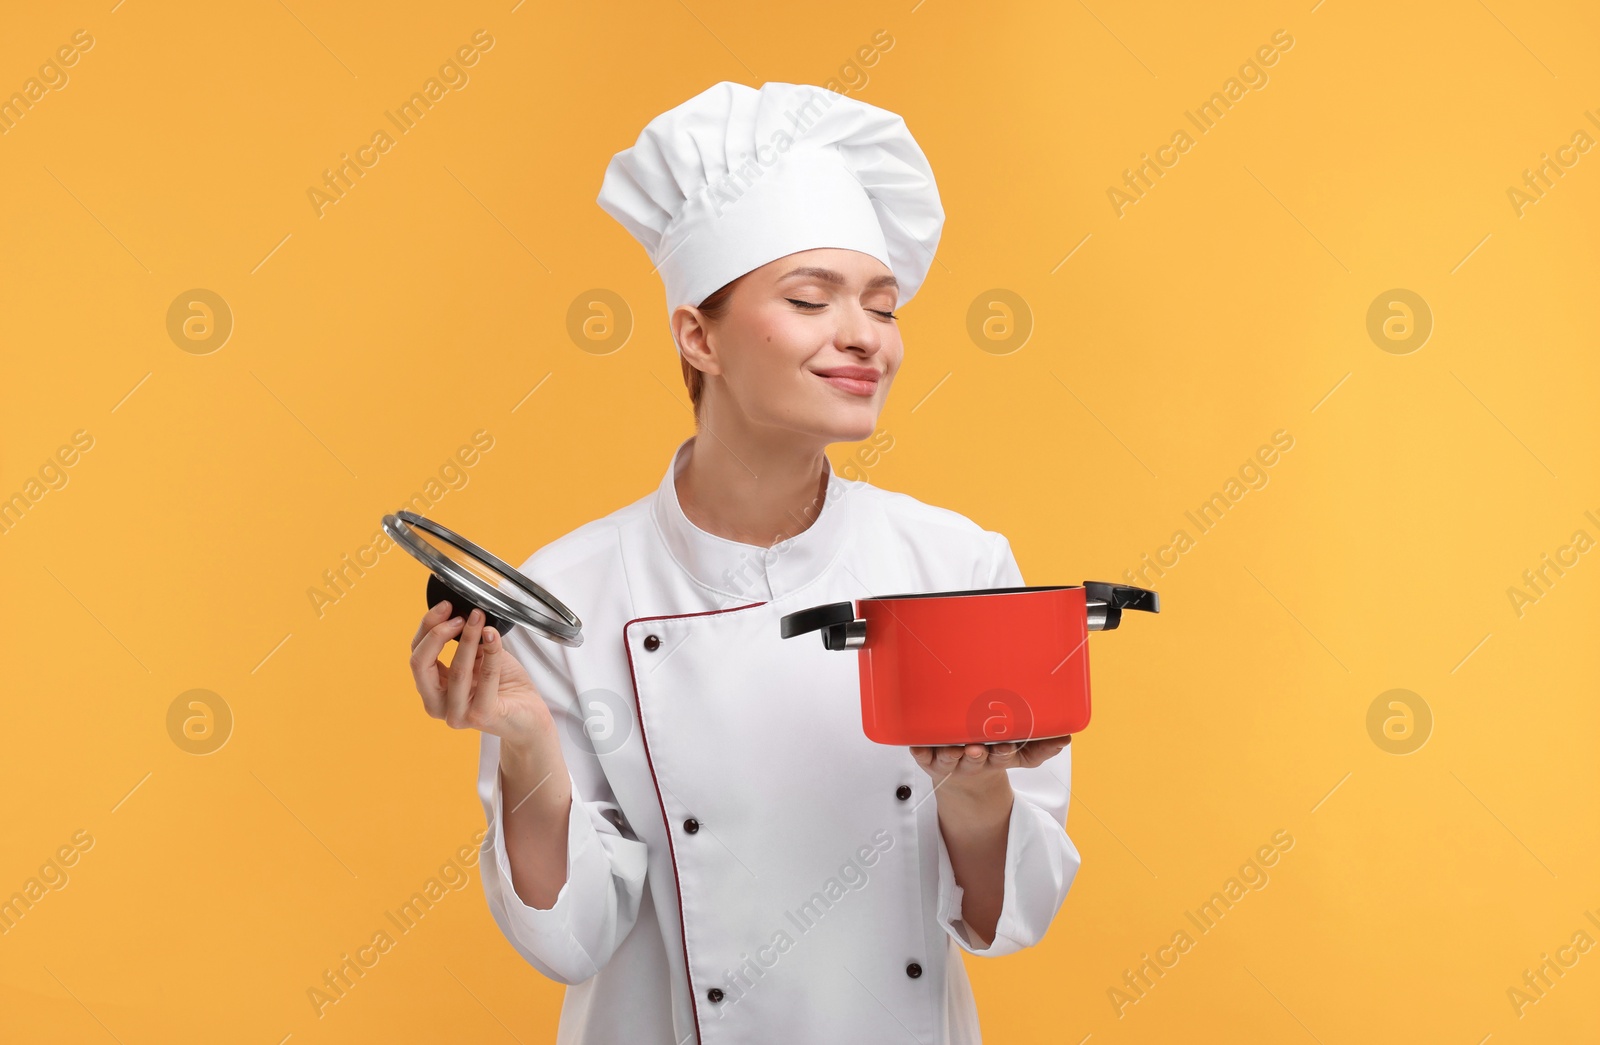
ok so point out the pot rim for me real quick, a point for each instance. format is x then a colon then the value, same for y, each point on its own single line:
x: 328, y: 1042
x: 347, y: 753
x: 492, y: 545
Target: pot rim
x: 971, y: 592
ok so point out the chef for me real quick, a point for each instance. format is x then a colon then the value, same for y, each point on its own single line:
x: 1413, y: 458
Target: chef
x: 686, y: 823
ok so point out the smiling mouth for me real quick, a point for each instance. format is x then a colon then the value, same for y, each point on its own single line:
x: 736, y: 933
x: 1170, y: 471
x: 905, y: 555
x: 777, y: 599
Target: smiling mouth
x: 853, y: 385
x: 853, y: 380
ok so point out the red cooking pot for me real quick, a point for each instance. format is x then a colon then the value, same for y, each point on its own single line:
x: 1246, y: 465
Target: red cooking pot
x: 985, y: 666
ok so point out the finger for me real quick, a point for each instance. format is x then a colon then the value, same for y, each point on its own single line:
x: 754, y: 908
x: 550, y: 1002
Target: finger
x: 458, y: 689
x: 923, y: 755
x: 1036, y: 752
x: 490, y: 664
x: 947, y: 758
x: 426, y: 668
x: 1004, y: 755
x: 974, y: 757
x: 437, y: 614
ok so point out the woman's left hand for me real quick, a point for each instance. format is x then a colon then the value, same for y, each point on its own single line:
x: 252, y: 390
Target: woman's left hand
x: 978, y: 768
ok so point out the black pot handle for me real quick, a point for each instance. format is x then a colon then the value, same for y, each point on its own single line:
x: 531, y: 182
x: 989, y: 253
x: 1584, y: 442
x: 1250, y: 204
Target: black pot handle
x: 1113, y: 599
x: 816, y: 618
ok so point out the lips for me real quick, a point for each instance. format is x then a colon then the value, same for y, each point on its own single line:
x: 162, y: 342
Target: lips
x: 856, y: 380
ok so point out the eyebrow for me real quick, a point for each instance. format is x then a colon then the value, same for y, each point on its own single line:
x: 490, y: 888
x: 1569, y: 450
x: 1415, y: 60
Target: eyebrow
x: 830, y: 276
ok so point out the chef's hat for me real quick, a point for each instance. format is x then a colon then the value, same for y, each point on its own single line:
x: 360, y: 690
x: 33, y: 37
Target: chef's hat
x: 736, y: 177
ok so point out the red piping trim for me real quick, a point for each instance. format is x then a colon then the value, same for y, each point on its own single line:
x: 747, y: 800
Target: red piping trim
x: 672, y: 847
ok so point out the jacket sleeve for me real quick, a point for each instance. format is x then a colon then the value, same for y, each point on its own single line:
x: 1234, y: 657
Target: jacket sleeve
x: 597, y: 906
x: 1041, y: 861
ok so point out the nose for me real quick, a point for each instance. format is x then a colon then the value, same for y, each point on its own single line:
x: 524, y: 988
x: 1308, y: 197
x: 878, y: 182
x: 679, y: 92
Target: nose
x: 859, y: 331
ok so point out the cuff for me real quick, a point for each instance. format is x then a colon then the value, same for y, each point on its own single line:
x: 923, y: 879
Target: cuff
x: 550, y: 938
x: 1041, y: 863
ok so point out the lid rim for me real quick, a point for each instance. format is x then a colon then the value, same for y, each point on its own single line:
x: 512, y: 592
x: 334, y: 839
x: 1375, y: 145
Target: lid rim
x: 564, y: 626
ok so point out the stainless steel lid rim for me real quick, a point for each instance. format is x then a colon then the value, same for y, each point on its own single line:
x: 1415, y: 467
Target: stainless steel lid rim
x: 564, y: 626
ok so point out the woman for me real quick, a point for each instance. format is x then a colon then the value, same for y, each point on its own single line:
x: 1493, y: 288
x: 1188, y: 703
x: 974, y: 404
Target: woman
x: 685, y: 820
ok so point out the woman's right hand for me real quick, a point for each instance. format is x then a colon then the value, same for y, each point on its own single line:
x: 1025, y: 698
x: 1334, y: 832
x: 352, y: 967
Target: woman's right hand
x: 484, y: 688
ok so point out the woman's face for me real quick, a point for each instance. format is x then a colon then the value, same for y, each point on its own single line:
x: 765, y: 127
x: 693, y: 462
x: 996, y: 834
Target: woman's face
x: 808, y: 343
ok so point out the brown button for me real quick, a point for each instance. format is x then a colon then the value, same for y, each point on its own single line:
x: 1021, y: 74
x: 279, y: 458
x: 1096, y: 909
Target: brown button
x: 902, y: 792
x: 652, y: 643
x: 913, y: 970
x: 715, y: 994
x: 691, y: 825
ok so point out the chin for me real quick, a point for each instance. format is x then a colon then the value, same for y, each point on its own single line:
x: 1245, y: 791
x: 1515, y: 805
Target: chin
x: 852, y: 425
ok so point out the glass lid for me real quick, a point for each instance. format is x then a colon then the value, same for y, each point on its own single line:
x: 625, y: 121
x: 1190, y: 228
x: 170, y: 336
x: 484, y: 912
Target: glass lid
x: 494, y: 583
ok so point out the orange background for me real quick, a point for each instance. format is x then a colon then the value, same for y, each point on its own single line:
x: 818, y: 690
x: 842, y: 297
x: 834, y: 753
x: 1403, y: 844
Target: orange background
x: 1163, y: 346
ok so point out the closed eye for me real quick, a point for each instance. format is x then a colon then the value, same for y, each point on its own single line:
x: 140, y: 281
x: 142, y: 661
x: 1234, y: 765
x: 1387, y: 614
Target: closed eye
x: 813, y: 304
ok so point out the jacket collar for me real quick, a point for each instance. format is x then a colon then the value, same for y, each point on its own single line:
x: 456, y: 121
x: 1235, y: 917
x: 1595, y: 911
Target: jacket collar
x: 745, y: 573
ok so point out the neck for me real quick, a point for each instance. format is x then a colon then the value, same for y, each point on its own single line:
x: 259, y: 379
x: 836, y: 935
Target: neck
x: 752, y: 491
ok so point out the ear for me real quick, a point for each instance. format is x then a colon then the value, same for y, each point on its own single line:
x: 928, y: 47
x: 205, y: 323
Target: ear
x: 693, y: 338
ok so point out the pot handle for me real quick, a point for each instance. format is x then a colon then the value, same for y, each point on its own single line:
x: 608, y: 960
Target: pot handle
x: 1106, y: 602
x: 837, y: 622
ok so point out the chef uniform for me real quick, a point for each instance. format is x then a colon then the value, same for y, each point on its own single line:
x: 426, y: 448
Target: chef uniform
x: 743, y: 864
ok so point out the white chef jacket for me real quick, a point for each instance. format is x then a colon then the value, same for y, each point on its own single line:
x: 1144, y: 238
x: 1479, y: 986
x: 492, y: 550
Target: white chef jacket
x: 743, y: 864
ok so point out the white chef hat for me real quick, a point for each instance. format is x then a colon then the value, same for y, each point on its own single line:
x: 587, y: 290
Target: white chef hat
x: 736, y: 177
